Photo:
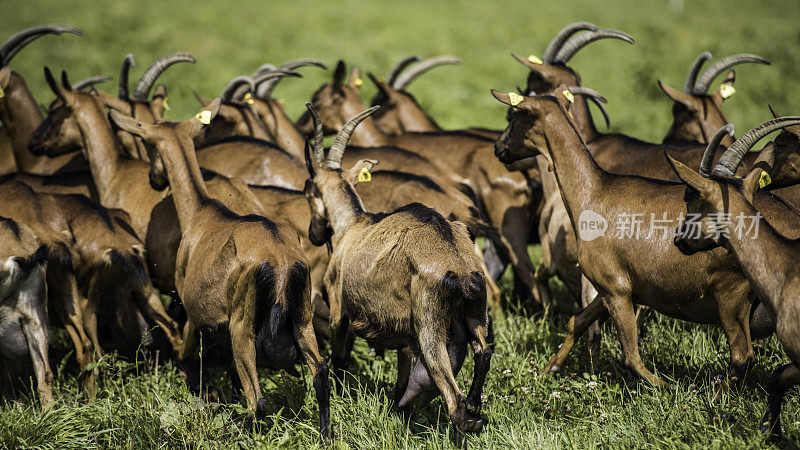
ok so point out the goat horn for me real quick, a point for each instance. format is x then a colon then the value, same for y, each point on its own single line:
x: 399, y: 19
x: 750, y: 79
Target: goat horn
x: 264, y: 88
x: 91, y: 81
x: 732, y: 157
x: 319, y: 145
x: 17, y: 42
x: 155, y: 70
x: 124, y: 72
x: 691, y: 77
x: 409, y: 75
x: 263, y: 77
x: 402, y: 64
x: 576, y: 43
x: 340, y: 142
x: 227, y: 93
x: 595, y: 97
x: 711, y: 148
x: 555, y: 45
x: 701, y: 87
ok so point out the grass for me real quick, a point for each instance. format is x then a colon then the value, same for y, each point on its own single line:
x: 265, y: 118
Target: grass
x: 139, y: 407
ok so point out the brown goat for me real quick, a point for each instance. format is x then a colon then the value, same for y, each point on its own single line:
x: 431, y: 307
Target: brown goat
x: 23, y: 307
x: 21, y: 115
x: 407, y: 280
x: 768, y: 258
x: 626, y: 271
x: 243, y: 273
x: 504, y: 196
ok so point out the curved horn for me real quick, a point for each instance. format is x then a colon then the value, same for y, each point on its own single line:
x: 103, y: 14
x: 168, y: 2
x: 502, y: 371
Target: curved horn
x: 319, y: 146
x: 263, y: 77
x: 227, y: 93
x: 732, y: 157
x: 691, y: 77
x: 17, y: 42
x: 701, y: 87
x: 91, y: 81
x: 155, y: 70
x: 555, y: 45
x: 409, y: 75
x: 402, y: 64
x: 576, y: 43
x: 595, y: 97
x: 124, y: 72
x: 711, y: 148
x: 340, y: 142
x: 301, y: 62
x: 264, y: 87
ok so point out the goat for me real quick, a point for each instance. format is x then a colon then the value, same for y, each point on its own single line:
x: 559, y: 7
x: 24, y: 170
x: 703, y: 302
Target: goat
x: 42, y: 215
x: 244, y: 273
x: 24, y: 332
x: 505, y: 196
x: 407, y: 280
x: 627, y: 271
x: 21, y: 115
x: 768, y: 258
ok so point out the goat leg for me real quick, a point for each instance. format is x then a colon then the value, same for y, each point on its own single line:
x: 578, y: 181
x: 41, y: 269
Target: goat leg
x: 65, y: 297
x: 734, y: 317
x: 782, y: 379
x: 307, y: 341
x: 494, y: 294
x: 577, y: 325
x: 187, y: 357
x: 90, y: 306
x: 483, y: 356
x: 588, y: 294
x: 243, y: 344
x: 156, y: 312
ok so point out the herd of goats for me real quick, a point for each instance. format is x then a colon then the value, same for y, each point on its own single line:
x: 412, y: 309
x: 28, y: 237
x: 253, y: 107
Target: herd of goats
x: 268, y: 242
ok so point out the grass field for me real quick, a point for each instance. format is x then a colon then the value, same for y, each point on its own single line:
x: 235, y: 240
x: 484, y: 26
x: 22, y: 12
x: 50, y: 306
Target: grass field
x: 140, y: 407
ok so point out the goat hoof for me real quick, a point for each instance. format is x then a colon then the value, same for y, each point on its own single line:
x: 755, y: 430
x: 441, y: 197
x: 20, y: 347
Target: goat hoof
x: 261, y: 409
x: 772, y: 432
x: 552, y: 369
x: 474, y: 409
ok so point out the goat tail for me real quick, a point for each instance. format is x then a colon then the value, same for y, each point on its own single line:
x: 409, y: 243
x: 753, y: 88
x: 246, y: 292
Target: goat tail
x: 463, y: 294
x: 287, y: 285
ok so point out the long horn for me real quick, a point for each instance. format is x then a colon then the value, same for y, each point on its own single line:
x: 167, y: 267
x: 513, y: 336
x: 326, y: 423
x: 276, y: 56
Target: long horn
x: 732, y: 157
x: 595, y: 97
x: 340, y: 142
x: 576, y: 43
x: 402, y: 64
x: 227, y: 93
x: 701, y: 87
x: 124, y: 72
x: 91, y: 81
x: 418, y: 69
x: 155, y: 70
x: 264, y: 88
x: 17, y: 42
x: 555, y: 45
x: 319, y: 146
x: 691, y: 77
x: 261, y: 78
x: 711, y: 148
x: 301, y: 62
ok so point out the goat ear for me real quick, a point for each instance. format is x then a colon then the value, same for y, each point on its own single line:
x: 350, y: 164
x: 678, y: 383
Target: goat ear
x: 204, y: 117
x: 131, y: 125
x: 758, y: 177
x: 113, y: 102
x: 311, y: 164
x: 203, y: 101
x: 65, y: 80
x: 689, y: 177
x: 54, y: 86
x: 355, y: 80
x: 564, y: 96
x: 678, y: 96
x: 5, y: 77
x: 159, y: 103
x: 363, y: 166
x: 339, y: 75
x: 510, y: 98
x: 382, y: 86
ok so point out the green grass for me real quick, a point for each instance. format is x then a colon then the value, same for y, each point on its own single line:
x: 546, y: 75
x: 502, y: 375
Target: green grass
x: 137, y: 408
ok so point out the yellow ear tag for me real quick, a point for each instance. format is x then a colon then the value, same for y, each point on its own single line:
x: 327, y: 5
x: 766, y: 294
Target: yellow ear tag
x: 2, y: 93
x: 515, y: 98
x: 165, y: 104
x: 358, y: 82
x: 568, y: 95
x: 204, y: 117
x: 364, y: 176
x: 726, y: 90
x: 249, y: 99
x: 535, y: 59
x: 282, y: 101
x: 764, y: 180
